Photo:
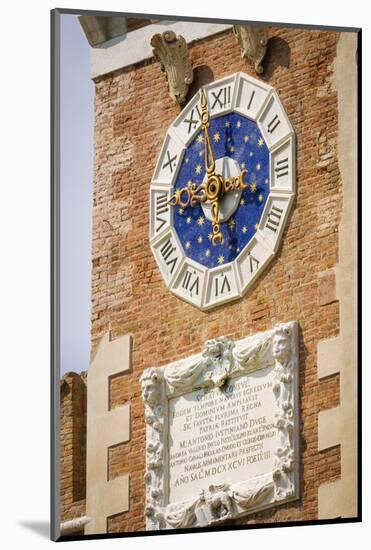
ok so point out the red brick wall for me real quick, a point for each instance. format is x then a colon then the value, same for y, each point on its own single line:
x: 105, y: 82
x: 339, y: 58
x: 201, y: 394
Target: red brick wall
x: 132, y: 113
x: 73, y: 445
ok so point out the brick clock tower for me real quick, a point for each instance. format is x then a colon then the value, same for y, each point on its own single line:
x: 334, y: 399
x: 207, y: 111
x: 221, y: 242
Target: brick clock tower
x: 222, y: 388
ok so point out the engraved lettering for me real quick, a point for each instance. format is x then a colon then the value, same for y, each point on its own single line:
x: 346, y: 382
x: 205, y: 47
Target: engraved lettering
x: 282, y: 168
x: 254, y: 263
x: 273, y: 124
x: 192, y: 122
x: 161, y: 208
x: 167, y: 250
x: 170, y: 161
x: 274, y: 218
x: 251, y: 99
x: 222, y: 98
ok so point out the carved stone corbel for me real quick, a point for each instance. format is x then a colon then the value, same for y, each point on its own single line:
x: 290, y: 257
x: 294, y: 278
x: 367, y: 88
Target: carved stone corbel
x: 253, y: 43
x: 171, y: 52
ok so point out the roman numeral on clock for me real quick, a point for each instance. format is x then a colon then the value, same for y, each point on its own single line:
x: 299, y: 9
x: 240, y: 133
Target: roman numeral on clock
x: 191, y: 282
x: 272, y: 125
x: 282, y: 168
x: 192, y: 122
x: 161, y: 208
x: 222, y: 286
x: 170, y: 161
x: 251, y: 99
x: 222, y: 98
x: 274, y: 218
x: 254, y: 263
x: 167, y: 250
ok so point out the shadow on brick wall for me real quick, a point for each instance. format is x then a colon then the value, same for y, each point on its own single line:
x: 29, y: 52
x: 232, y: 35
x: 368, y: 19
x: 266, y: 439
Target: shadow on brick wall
x: 201, y: 75
x: 278, y: 55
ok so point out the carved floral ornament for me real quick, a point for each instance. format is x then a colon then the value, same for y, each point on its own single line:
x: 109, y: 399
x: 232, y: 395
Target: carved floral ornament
x: 171, y: 52
x: 253, y: 43
x: 272, y: 354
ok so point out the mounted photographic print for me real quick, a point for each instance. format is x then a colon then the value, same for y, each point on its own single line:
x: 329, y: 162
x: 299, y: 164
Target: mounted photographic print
x: 205, y: 371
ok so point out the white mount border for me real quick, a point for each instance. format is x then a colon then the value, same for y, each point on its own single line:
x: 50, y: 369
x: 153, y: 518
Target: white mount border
x: 276, y: 348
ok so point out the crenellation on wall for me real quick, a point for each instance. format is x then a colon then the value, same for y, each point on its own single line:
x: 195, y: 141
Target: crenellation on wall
x: 72, y: 446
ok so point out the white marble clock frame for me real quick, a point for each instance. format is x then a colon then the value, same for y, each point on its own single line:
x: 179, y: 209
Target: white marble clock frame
x: 240, y: 358
x: 259, y: 102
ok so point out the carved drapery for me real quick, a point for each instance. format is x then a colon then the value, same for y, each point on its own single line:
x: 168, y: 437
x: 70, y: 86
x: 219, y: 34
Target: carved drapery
x: 221, y: 360
x: 171, y: 52
x: 253, y: 43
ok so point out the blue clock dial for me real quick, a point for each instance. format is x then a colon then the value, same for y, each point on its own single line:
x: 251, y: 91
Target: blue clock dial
x: 233, y: 136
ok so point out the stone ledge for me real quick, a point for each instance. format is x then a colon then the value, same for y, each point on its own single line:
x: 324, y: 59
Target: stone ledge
x: 329, y: 497
x: 329, y: 428
x: 328, y: 357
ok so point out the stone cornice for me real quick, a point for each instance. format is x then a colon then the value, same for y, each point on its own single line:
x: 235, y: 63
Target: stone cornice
x: 134, y: 47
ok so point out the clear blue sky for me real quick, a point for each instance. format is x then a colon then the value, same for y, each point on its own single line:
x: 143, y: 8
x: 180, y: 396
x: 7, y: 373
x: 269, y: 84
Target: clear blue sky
x: 77, y: 95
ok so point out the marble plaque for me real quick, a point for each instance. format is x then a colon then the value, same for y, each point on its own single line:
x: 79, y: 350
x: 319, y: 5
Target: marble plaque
x: 222, y: 431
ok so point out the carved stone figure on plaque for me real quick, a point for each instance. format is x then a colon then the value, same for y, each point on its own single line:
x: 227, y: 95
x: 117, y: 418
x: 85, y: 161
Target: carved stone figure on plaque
x: 282, y: 388
x: 218, y: 356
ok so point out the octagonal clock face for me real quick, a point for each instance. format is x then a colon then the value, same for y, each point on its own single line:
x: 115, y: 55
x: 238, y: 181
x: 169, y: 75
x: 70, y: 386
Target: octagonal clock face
x: 249, y: 133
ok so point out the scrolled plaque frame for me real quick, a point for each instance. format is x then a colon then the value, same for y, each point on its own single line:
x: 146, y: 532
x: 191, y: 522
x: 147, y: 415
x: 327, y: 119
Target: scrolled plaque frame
x: 275, y: 353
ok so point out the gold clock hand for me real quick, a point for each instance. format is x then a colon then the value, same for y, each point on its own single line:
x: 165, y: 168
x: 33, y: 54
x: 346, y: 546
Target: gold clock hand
x: 214, y: 185
x: 217, y: 234
x: 231, y: 184
x: 205, y: 119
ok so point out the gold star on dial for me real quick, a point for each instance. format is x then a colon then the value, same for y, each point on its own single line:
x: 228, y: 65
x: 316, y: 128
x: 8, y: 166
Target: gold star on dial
x: 252, y: 187
x: 238, y: 124
x: 199, y: 240
x: 261, y: 198
x: 200, y: 138
x: 187, y: 245
x: 198, y: 169
x: 216, y: 136
x: 189, y: 219
x: 227, y: 124
x: 207, y: 253
x: 200, y: 221
x: 258, y: 166
x: 232, y: 224
x: 244, y: 229
x: 181, y: 211
x: 220, y: 259
x: 261, y: 142
x: 246, y: 139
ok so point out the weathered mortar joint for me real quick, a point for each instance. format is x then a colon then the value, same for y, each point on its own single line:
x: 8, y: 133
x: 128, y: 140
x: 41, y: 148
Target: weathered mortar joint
x: 172, y: 54
x: 325, y: 150
x: 253, y: 43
